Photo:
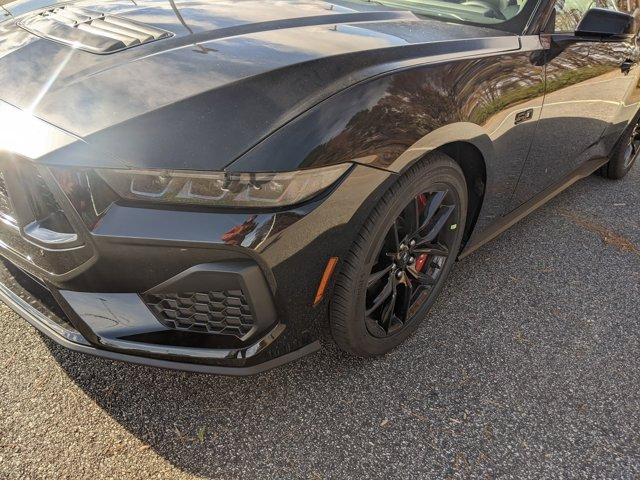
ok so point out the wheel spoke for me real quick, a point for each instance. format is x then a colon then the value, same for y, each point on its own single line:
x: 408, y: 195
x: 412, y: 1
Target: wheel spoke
x: 422, y: 278
x: 389, y: 311
x: 375, y: 277
x: 396, y: 235
x: 386, y: 292
x: 408, y: 299
x: 417, y: 291
x: 433, y: 249
x: 416, y: 214
x: 395, y: 325
x: 441, y: 219
x: 434, y: 205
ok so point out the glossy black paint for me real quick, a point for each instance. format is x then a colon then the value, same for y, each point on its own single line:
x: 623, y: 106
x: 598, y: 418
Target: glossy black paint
x: 280, y: 88
x: 605, y: 23
x: 587, y: 91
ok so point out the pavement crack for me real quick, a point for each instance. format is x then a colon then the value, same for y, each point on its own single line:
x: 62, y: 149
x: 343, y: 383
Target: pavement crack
x: 608, y: 236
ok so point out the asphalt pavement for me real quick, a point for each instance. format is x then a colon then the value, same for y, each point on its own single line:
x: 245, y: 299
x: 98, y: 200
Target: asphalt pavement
x: 528, y: 367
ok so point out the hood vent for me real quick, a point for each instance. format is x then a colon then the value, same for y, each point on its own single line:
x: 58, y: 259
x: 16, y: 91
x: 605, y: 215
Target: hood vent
x: 91, y: 31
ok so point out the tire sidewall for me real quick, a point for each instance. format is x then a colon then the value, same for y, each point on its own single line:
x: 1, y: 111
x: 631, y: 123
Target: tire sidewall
x: 444, y: 171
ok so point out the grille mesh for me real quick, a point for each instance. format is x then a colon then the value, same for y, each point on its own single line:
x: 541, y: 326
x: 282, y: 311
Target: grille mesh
x: 217, y: 312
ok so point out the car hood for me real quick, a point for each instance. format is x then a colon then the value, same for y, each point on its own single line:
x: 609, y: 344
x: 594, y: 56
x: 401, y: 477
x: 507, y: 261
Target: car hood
x: 231, y: 73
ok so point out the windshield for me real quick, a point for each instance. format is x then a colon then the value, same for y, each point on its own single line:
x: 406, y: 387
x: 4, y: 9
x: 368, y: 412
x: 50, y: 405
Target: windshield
x: 477, y: 12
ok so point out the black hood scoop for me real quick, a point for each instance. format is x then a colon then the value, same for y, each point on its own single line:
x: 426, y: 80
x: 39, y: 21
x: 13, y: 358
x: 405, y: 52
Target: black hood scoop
x: 89, y: 30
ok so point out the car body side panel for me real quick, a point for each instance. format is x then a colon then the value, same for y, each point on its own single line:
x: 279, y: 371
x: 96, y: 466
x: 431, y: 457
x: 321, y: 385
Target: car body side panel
x: 393, y: 120
x: 587, y: 95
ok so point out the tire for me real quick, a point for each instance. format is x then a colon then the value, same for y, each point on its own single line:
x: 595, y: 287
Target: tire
x: 415, y: 191
x: 624, y: 154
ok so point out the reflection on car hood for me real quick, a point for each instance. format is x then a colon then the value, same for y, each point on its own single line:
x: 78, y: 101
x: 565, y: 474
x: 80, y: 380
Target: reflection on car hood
x: 231, y: 73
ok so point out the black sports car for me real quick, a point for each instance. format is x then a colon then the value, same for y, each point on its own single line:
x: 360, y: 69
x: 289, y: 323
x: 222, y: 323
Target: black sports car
x: 206, y: 185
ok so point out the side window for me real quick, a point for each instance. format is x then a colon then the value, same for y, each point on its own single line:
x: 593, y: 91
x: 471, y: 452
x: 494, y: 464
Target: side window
x: 570, y: 12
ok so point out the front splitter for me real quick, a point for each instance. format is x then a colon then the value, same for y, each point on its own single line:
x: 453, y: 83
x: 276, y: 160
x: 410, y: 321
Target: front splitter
x: 77, y: 343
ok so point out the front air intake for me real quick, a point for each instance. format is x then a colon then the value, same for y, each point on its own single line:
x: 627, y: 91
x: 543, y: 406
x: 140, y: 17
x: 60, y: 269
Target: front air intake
x: 218, y: 312
x: 91, y: 31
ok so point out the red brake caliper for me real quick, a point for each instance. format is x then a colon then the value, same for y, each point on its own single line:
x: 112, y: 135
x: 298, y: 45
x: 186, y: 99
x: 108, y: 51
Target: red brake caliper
x: 420, y: 261
x: 422, y: 258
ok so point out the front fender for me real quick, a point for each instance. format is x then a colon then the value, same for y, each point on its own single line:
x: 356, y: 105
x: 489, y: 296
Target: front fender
x: 391, y: 121
x: 454, y: 132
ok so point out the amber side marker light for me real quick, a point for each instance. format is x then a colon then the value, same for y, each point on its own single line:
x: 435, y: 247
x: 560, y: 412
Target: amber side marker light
x: 326, y: 276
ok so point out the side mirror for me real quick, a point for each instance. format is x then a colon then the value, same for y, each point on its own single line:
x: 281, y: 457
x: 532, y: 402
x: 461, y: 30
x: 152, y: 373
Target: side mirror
x: 600, y: 22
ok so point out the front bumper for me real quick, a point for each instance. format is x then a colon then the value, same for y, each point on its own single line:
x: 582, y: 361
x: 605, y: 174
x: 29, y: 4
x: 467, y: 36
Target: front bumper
x: 70, y: 338
x: 130, y: 286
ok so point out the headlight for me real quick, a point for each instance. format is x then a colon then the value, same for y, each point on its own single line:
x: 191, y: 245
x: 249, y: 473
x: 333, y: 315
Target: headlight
x: 222, y: 189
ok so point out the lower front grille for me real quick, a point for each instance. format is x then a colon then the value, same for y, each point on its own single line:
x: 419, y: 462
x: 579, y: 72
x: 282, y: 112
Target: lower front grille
x: 216, y: 312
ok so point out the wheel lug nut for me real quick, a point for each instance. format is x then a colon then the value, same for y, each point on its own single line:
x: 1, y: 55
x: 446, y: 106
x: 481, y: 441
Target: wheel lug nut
x: 399, y: 274
x: 411, y: 260
x: 412, y: 243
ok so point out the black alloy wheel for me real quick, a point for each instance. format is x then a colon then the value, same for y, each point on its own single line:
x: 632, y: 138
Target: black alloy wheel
x: 398, y: 263
x: 410, y: 260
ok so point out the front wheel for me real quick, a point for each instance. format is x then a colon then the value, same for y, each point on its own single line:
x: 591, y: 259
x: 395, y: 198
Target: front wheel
x: 398, y: 264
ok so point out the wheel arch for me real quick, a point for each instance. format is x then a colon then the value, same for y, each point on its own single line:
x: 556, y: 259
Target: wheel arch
x: 471, y: 148
x: 473, y: 165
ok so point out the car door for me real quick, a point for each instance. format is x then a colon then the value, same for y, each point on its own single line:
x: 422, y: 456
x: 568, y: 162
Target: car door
x: 591, y: 89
